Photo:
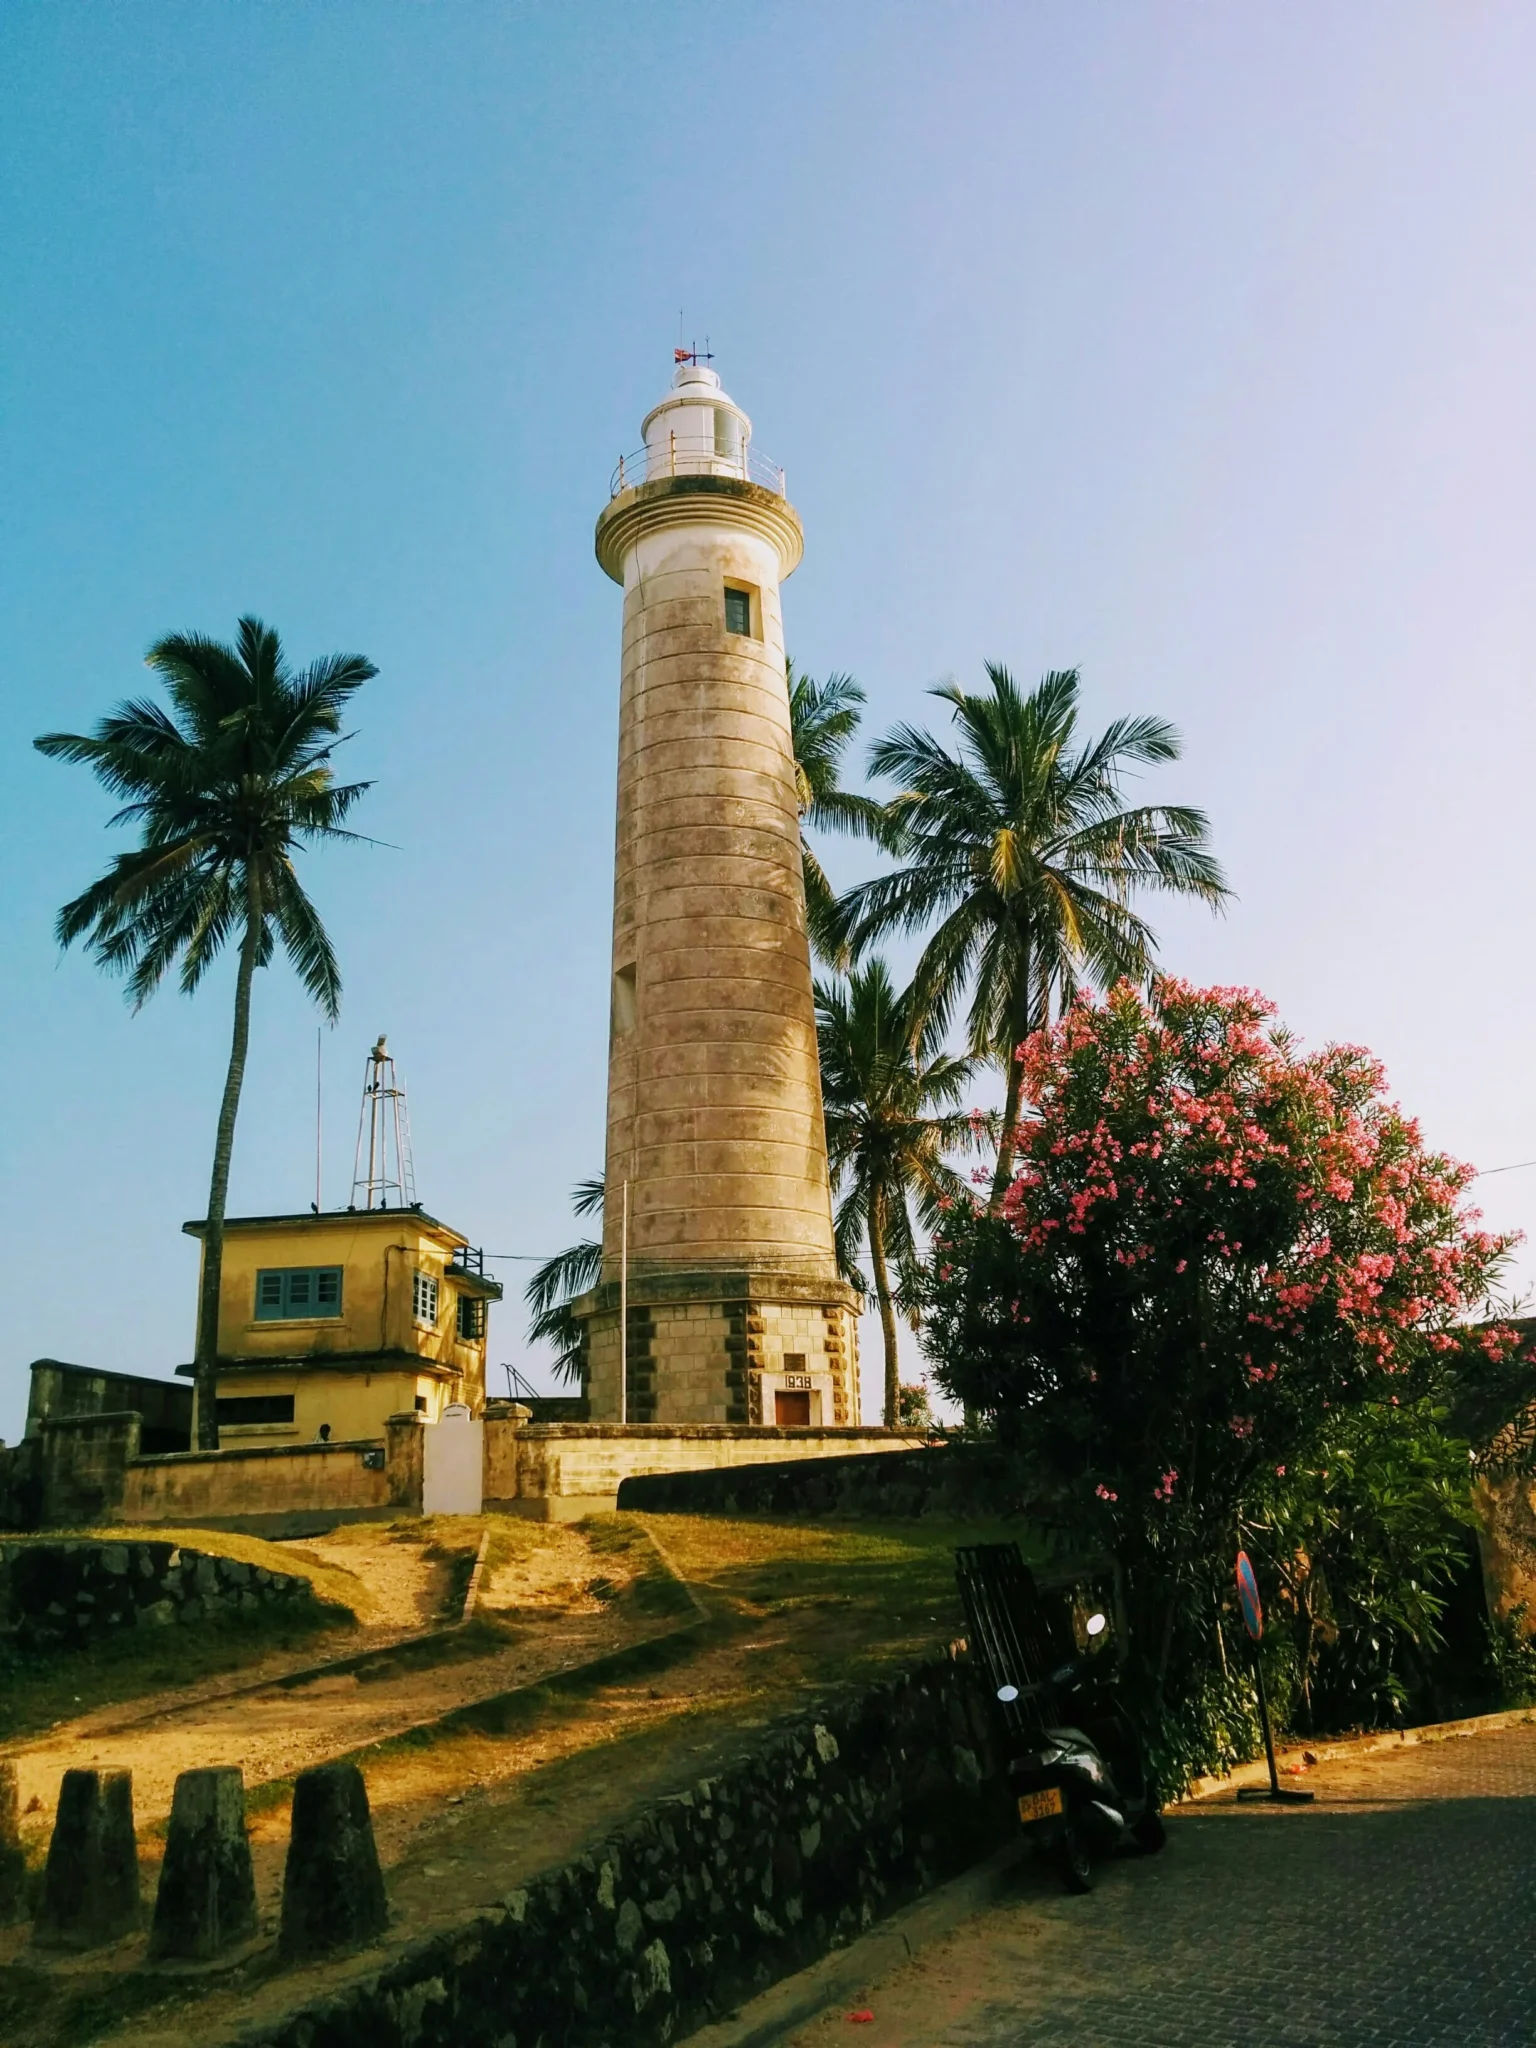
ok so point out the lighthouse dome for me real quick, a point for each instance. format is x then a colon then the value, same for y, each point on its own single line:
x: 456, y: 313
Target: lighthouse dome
x: 698, y: 429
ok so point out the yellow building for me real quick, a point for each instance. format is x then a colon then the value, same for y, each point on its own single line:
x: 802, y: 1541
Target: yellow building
x: 331, y: 1323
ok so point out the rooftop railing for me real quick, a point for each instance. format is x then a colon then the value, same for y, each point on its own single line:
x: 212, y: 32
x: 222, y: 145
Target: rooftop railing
x: 680, y: 455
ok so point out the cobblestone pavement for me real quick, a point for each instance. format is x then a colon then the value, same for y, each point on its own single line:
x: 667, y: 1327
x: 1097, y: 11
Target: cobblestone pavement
x: 1399, y: 1911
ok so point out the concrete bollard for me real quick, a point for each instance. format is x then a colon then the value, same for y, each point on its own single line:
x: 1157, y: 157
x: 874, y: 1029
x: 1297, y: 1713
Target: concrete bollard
x: 333, y: 1890
x: 13, y: 1863
x: 91, y: 1882
x: 207, y: 1897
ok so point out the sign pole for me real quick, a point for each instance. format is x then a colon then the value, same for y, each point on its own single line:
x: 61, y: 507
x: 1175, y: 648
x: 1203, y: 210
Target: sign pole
x: 1253, y: 1621
x: 624, y: 1309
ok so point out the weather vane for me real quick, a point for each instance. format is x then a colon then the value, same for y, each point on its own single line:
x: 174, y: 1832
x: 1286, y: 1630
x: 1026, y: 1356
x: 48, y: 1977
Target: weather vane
x: 690, y: 355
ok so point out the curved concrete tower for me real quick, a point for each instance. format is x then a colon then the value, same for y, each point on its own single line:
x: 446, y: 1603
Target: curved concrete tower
x: 735, y: 1309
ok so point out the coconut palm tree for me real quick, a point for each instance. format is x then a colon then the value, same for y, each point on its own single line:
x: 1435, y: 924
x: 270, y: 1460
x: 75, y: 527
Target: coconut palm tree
x: 823, y: 718
x: 556, y: 1284
x: 891, y: 1097
x: 224, y: 789
x: 1016, y: 844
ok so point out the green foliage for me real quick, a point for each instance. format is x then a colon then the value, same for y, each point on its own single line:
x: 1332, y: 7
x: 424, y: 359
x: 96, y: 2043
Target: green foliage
x: 1362, y: 1541
x: 1226, y: 1299
x: 914, y: 1410
x: 1204, y: 1727
x: 1512, y: 1652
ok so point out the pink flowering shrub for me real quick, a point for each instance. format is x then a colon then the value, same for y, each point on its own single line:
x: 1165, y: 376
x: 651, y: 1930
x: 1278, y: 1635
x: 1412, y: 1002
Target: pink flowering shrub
x: 1212, y: 1241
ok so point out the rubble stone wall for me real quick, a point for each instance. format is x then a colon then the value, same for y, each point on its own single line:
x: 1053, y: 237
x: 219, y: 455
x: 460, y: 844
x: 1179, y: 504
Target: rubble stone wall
x: 54, y: 1595
x: 704, y: 1899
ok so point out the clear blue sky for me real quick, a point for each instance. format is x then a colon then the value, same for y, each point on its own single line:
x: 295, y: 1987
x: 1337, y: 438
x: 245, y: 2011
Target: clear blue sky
x: 1193, y: 345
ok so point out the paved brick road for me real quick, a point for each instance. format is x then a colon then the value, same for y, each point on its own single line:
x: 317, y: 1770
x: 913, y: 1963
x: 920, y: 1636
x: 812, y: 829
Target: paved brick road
x: 1400, y: 1910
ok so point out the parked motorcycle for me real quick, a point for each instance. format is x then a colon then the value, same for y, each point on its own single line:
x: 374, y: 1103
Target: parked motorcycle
x: 1074, y: 1762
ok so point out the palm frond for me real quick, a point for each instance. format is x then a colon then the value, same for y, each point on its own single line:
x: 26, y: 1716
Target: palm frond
x: 304, y: 937
x: 1019, y: 860
x: 560, y: 1280
x: 568, y: 1274
x: 235, y: 774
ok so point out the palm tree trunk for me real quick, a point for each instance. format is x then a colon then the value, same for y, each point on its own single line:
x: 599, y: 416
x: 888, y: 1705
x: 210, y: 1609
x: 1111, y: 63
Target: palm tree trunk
x: 1014, y: 1087
x: 205, y: 1364
x: 1005, y: 1144
x: 887, y: 1311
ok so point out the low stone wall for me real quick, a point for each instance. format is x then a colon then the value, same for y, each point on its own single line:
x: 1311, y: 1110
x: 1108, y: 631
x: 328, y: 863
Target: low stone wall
x: 82, y: 1463
x: 831, y: 1823
x: 587, y: 1463
x: 21, y: 1484
x: 261, y: 1488
x: 946, y: 1479
x: 61, y: 1594
x: 87, y: 1470
x: 164, y: 1406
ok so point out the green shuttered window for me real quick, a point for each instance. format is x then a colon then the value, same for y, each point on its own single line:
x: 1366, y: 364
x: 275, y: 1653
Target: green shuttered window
x: 287, y: 1293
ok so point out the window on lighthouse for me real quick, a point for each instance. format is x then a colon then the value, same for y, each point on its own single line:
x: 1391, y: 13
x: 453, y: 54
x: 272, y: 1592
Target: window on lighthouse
x: 624, y: 998
x: 738, y: 611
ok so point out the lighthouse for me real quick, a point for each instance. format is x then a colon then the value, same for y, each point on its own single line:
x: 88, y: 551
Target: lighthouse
x: 720, y: 1299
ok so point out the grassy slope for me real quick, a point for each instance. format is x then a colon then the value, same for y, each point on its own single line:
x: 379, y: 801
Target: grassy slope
x: 795, y: 1609
x: 856, y: 1596
x: 39, y: 1689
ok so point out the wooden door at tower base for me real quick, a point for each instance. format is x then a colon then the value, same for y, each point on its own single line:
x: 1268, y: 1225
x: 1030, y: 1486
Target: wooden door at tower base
x: 791, y: 1409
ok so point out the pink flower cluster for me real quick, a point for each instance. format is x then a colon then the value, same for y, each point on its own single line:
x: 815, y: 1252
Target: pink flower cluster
x: 1164, y: 1134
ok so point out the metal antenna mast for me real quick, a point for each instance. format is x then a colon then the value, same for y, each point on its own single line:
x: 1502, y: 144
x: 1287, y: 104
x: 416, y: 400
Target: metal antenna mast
x: 382, y: 1174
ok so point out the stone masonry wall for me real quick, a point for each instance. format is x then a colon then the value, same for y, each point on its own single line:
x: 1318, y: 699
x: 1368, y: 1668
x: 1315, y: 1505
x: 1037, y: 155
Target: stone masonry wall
x: 62, y: 1594
x: 594, y: 1459
x: 706, y: 1898
x: 943, y: 1479
x: 258, y: 1484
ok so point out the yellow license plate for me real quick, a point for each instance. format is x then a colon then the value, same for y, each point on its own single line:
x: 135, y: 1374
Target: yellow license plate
x: 1040, y: 1805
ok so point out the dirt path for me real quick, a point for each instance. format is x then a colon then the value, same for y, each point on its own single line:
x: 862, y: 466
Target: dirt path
x: 406, y: 1585
x: 468, y: 1816
x: 274, y: 1727
x: 463, y: 1824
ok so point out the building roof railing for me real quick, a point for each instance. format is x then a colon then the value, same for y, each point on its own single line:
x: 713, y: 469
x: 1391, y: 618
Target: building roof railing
x: 680, y: 455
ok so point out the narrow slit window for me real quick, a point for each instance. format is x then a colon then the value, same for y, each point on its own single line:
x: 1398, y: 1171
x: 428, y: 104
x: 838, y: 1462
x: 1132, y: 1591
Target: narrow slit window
x: 738, y: 611
x: 624, y: 999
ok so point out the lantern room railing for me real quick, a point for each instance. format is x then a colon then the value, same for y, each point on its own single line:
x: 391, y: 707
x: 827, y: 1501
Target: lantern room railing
x: 683, y: 455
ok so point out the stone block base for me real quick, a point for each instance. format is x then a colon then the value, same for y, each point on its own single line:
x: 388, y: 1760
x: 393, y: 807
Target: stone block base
x: 756, y: 1348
